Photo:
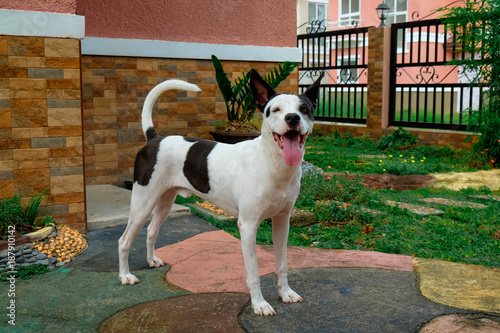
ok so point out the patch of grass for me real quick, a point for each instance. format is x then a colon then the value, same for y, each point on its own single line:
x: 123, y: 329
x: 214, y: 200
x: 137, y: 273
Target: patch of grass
x: 336, y: 153
x: 24, y: 272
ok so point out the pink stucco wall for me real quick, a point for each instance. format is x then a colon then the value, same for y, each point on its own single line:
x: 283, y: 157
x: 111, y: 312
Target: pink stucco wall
x: 240, y: 22
x: 55, y: 6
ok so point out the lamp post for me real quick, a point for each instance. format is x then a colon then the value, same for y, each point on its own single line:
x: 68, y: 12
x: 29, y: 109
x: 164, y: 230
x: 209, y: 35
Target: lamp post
x: 382, y: 12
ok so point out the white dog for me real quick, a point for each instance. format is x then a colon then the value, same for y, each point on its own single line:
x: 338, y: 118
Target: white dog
x: 253, y: 180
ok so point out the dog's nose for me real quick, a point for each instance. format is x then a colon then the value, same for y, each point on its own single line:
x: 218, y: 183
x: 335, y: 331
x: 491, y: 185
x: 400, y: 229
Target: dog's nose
x: 292, y: 119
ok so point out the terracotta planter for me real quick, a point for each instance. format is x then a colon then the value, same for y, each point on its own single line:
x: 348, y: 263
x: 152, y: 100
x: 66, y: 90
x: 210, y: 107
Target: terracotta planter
x: 233, y: 137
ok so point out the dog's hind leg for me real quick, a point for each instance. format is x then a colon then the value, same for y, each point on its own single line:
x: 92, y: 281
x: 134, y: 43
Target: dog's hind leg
x: 141, y: 205
x: 281, y: 228
x: 160, y: 213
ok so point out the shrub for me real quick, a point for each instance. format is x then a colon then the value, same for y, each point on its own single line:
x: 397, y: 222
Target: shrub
x: 474, y: 25
x: 12, y: 214
x: 400, y: 139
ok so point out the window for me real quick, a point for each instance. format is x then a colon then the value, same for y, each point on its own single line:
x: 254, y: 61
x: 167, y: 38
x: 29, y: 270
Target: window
x: 349, y: 12
x: 398, y: 11
x: 317, y: 15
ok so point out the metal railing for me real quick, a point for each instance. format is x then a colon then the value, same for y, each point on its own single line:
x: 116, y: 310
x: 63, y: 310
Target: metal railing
x: 425, y: 92
x: 343, y: 54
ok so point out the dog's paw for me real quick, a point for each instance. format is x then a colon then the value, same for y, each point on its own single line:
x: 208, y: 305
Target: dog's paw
x: 263, y: 308
x: 129, y: 279
x: 290, y: 296
x: 156, y: 262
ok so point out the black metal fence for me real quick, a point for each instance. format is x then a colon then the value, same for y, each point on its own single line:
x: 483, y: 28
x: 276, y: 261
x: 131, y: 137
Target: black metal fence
x: 425, y: 93
x: 343, y: 54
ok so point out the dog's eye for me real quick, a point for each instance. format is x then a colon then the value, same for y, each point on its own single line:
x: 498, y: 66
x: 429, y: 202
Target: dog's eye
x: 276, y: 109
x: 304, y: 109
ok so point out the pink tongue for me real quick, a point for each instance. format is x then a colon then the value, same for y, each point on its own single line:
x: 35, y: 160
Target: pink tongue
x: 291, y: 149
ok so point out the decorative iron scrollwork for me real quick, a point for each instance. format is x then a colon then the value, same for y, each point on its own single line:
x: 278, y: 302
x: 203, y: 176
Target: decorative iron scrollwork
x: 426, y: 75
x: 316, y: 26
x: 311, y: 74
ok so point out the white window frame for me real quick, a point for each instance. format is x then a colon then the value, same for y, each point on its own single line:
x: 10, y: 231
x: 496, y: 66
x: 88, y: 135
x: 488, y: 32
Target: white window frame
x: 347, y: 19
x: 317, y: 3
x: 393, y: 13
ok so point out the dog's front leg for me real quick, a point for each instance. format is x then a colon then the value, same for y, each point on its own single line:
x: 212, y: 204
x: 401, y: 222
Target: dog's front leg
x: 281, y: 226
x: 248, y: 232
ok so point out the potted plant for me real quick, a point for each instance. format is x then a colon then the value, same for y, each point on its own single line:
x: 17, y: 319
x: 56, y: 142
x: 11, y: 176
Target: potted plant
x: 240, y: 106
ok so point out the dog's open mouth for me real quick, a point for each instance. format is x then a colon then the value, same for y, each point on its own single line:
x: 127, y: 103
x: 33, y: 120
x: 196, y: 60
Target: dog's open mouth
x: 291, y: 144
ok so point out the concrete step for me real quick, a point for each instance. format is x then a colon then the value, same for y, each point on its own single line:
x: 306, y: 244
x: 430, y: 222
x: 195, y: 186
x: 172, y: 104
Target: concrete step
x: 416, y: 209
x: 456, y: 203
x: 108, y: 206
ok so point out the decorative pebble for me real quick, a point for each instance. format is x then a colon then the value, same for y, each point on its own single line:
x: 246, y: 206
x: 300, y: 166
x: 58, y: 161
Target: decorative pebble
x: 58, y: 249
x: 20, y: 260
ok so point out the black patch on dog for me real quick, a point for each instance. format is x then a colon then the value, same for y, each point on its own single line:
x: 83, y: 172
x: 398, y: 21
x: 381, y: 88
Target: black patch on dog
x: 268, y: 111
x: 151, y: 134
x: 145, y: 161
x: 305, y: 101
x: 190, y: 139
x: 196, y: 165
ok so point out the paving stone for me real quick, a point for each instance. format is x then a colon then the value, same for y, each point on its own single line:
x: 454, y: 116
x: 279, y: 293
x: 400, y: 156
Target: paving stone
x: 456, y: 203
x: 345, y: 205
x: 301, y: 218
x: 372, y: 211
x: 416, y: 209
x: 182, y: 314
x: 485, y: 197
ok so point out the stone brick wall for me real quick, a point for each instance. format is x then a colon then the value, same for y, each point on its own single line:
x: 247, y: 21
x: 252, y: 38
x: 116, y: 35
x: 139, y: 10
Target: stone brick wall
x: 41, y: 124
x: 114, y: 90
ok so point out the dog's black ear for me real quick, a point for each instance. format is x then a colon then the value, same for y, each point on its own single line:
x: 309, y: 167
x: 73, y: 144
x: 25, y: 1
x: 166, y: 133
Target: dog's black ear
x: 313, y: 90
x: 261, y: 91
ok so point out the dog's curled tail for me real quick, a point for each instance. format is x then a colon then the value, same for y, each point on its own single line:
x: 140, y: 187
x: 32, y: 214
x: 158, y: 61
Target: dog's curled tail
x: 147, y: 110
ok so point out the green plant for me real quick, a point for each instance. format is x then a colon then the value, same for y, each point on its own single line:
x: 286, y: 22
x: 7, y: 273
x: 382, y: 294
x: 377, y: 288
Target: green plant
x: 12, y: 214
x: 400, y: 139
x: 32, y: 210
x: 238, y: 98
x: 25, y: 272
x: 24, y: 220
x: 474, y: 25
